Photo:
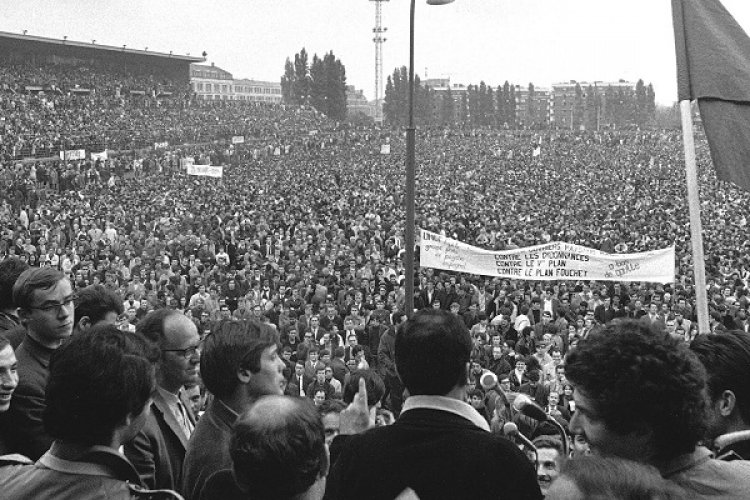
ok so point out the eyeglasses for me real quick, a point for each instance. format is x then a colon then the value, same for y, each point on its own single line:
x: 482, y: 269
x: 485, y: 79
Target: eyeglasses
x: 188, y: 353
x: 55, y: 306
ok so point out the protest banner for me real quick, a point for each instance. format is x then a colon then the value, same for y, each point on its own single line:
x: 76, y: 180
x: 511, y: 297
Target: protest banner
x: 98, y: 156
x: 548, y: 262
x: 161, y: 145
x: 238, y: 139
x: 73, y: 154
x: 385, y: 149
x: 206, y: 170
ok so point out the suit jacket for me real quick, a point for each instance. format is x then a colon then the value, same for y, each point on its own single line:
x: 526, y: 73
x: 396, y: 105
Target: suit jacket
x: 436, y: 453
x: 208, y: 448
x: 21, y: 426
x: 426, y: 298
x: 339, y: 369
x: 158, y: 450
x: 515, y: 382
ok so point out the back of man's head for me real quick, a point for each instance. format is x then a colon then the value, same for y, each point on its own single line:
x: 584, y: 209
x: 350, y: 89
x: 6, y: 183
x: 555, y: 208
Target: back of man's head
x: 95, y: 304
x: 233, y: 345
x: 278, y: 449
x: 151, y: 326
x: 726, y: 358
x: 96, y: 380
x: 373, y: 382
x: 433, y: 348
x: 10, y: 269
x: 643, y: 382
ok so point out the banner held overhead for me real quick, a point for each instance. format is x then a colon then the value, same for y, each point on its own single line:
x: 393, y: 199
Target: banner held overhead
x: 548, y: 262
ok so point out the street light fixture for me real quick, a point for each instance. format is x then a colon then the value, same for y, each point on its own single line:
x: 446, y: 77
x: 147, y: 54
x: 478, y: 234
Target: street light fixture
x: 411, y: 171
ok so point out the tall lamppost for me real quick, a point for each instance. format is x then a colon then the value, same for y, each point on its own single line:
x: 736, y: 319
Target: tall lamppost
x: 411, y: 170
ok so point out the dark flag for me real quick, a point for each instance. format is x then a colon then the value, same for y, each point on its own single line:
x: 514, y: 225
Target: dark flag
x: 713, y: 66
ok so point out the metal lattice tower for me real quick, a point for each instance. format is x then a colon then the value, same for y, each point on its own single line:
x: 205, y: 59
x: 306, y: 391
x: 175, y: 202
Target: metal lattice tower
x: 379, y: 39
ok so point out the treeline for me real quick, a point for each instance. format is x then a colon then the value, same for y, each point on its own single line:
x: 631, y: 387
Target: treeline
x: 510, y: 106
x: 321, y: 84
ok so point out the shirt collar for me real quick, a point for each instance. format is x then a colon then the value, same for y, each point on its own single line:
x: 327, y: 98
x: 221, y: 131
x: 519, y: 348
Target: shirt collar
x: 683, y: 462
x: 730, y: 438
x: 171, y: 399
x: 450, y: 405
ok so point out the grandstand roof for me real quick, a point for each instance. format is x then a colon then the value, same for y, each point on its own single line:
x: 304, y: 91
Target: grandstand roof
x: 7, y: 38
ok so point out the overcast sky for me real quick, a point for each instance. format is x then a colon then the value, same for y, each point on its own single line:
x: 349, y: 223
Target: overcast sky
x: 540, y: 41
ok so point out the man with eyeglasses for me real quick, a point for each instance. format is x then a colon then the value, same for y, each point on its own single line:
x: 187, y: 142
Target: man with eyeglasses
x: 158, y: 450
x: 45, y: 301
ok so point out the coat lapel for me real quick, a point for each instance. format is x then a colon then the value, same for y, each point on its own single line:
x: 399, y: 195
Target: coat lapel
x: 161, y: 407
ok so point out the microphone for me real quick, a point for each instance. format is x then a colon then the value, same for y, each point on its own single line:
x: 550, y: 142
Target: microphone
x: 511, y: 430
x: 527, y: 407
x: 531, y: 409
x: 488, y: 380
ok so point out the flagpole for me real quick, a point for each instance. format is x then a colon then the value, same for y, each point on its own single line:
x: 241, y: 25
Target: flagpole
x: 696, y: 230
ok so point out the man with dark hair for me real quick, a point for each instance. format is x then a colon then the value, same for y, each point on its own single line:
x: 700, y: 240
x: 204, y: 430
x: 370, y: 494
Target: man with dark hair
x: 387, y: 365
x: 45, y: 302
x: 99, y: 388
x: 726, y: 358
x: 96, y: 305
x: 330, y: 412
x: 278, y: 452
x: 10, y: 269
x: 158, y: 450
x: 641, y: 395
x: 239, y: 364
x: 440, y: 447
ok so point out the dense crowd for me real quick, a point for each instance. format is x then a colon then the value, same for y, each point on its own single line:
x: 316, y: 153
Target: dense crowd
x: 304, y: 234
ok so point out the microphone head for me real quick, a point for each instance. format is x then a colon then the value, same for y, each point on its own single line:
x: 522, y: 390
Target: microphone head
x: 510, y: 429
x: 533, y: 410
x: 488, y: 380
x: 520, y: 401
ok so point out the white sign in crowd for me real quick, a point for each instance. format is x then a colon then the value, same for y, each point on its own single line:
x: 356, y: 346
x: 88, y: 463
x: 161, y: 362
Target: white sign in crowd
x: 205, y: 170
x: 548, y: 262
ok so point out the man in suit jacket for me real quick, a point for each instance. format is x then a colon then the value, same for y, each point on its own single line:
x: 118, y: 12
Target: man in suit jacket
x: 427, y: 296
x: 239, y: 364
x: 158, y: 450
x: 440, y: 447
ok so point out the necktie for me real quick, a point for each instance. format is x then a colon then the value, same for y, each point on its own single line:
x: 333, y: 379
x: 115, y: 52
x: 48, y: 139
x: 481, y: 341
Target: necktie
x: 183, y: 420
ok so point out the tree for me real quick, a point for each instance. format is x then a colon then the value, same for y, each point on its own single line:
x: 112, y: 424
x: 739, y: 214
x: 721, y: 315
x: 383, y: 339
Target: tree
x: 486, y: 104
x: 287, y: 83
x: 578, y: 107
x: 531, y: 112
x: 301, y: 78
x: 500, y: 117
x: 389, y: 100
x: 318, y: 84
x: 640, y: 111
x: 447, y: 108
x: 335, y: 87
x: 610, y: 105
x: 511, y: 105
x: 591, y: 109
x: 463, y: 110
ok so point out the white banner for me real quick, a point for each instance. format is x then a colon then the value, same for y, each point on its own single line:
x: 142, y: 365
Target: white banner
x: 238, y: 139
x: 548, y: 262
x: 161, y: 145
x: 385, y: 149
x: 73, y: 154
x: 98, y: 156
x: 205, y: 170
